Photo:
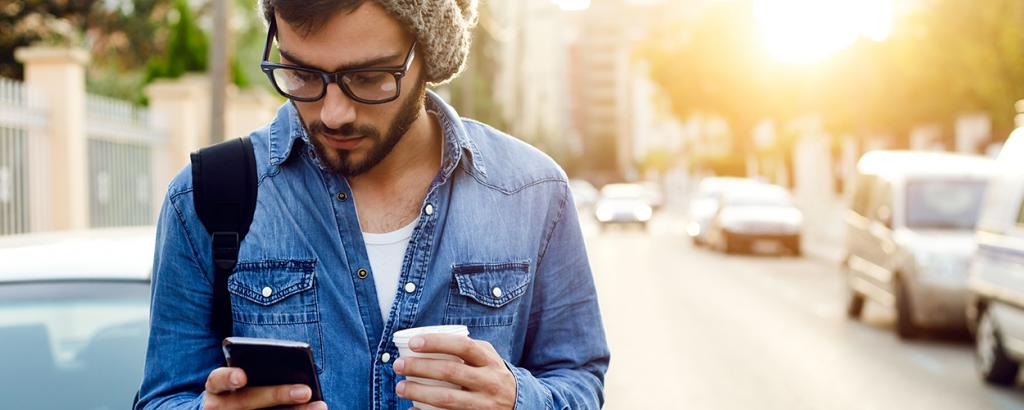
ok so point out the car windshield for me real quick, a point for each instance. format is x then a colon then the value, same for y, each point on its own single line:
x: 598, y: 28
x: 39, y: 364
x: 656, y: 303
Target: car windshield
x: 70, y: 345
x: 944, y: 204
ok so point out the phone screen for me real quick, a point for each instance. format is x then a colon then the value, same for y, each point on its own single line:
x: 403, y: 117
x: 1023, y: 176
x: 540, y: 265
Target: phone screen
x: 271, y: 362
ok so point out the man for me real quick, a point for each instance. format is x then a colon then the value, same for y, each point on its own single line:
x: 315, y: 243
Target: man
x: 379, y: 209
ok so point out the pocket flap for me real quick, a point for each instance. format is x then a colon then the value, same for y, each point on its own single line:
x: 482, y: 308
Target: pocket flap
x: 493, y: 284
x: 268, y: 282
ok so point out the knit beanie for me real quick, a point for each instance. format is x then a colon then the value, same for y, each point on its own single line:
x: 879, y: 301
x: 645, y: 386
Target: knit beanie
x: 442, y: 30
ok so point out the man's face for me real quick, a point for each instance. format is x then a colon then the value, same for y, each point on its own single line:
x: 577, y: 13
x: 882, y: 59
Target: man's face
x: 349, y: 136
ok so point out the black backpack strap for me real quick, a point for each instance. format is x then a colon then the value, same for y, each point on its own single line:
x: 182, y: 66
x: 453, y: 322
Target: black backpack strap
x: 224, y: 192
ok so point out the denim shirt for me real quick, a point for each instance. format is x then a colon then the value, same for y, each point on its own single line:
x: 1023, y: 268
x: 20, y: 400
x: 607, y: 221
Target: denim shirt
x: 498, y: 215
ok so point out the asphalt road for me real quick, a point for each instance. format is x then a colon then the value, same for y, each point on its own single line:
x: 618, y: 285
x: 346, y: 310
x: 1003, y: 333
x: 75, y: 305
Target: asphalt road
x: 693, y: 329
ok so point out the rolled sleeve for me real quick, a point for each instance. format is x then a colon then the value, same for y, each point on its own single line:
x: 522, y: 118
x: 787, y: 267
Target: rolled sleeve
x: 566, y: 354
x: 530, y: 393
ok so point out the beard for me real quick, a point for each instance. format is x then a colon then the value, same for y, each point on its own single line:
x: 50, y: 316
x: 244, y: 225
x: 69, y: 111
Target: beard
x: 341, y: 161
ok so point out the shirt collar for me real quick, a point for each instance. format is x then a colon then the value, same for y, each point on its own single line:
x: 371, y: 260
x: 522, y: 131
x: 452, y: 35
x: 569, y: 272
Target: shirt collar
x: 287, y: 128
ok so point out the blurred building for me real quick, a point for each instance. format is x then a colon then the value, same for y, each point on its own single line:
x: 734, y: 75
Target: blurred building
x: 567, y: 82
x: 599, y: 75
x: 531, y: 76
x: 655, y: 134
x: 612, y: 104
x: 515, y: 79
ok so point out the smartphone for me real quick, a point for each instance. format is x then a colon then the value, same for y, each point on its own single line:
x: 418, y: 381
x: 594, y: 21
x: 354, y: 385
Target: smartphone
x: 271, y: 362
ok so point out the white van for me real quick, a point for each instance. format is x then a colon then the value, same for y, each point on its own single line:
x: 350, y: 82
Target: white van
x: 995, y: 309
x: 910, y: 235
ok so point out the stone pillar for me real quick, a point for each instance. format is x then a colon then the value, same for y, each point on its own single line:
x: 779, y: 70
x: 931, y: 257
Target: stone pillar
x: 182, y: 106
x: 59, y: 75
x: 248, y: 110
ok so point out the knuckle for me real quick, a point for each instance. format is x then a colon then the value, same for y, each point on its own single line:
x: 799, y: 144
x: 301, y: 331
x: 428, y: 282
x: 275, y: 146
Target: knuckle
x: 447, y: 399
x: 491, y: 385
x: 489, y: 347
x: 449, y: 371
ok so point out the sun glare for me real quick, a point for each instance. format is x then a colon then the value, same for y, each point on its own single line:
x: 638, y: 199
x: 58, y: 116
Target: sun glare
x: 572, y: 5
x: 802, y: 31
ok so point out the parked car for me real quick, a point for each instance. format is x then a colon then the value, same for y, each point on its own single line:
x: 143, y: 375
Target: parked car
x: 74, y: 312
x: 704, y: 204
x: 655, y: 197
x: 583, y: 193
x: 623, y: 204
x: 995, y: 299
x: 753, y: 217
x: 910, y: 235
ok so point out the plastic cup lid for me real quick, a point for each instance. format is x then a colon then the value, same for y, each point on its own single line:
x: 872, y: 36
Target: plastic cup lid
x: 403, y: 336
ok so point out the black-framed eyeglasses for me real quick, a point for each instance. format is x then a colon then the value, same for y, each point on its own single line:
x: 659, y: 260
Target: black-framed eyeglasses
x: 369, y: 85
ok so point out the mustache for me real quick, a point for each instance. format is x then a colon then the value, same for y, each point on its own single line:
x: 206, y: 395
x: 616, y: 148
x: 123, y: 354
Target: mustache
x: 345, y: 131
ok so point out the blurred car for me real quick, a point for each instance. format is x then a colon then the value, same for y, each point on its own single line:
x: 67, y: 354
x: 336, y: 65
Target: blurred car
x: 655, y: 198
x: 74, y: 312
x: 910, y: 235
x: 583, y: 193
x: 623, y: 204
x: 995, y: 299
x: 750, y: 217
x: 704, y: 204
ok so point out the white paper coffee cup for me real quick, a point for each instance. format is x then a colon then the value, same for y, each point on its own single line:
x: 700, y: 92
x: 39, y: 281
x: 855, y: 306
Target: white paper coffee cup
x: 401, y: 339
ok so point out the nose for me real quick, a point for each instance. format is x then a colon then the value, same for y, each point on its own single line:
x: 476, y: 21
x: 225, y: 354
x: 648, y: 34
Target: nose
x: 337, y: 109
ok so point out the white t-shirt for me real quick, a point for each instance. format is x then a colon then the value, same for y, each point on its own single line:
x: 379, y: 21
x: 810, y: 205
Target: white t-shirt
x: 387, y: 252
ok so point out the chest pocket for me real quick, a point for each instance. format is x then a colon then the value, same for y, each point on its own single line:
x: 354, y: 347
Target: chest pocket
x: 486, y: 294
x: 277, y: 299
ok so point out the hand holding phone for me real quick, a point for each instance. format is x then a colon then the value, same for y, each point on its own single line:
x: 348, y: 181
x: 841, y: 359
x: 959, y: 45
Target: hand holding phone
x: 264, y: 373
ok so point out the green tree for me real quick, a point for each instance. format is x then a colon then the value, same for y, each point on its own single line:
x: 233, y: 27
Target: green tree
x: 471, y: 92
x: 130, y: 42
x: 187, y: 48
x: 943, y: 58
x: 714, y: 66
x: 118, y: 34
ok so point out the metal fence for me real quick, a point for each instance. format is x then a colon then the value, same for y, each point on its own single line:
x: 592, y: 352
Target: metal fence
x: 20, y: 113
x: 121, y: 140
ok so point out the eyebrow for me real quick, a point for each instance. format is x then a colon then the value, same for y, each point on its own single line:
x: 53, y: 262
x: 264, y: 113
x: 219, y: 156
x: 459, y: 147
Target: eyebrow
x: 369, y: 63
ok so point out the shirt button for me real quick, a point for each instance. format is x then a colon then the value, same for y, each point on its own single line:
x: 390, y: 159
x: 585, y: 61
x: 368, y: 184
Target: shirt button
x: 267, y: 291
x: 496, y: 292
x: 410, y: 287
x: 342, y: 196
x: 429, y: 209
x: 362, y: 273
x: 385, y: 357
